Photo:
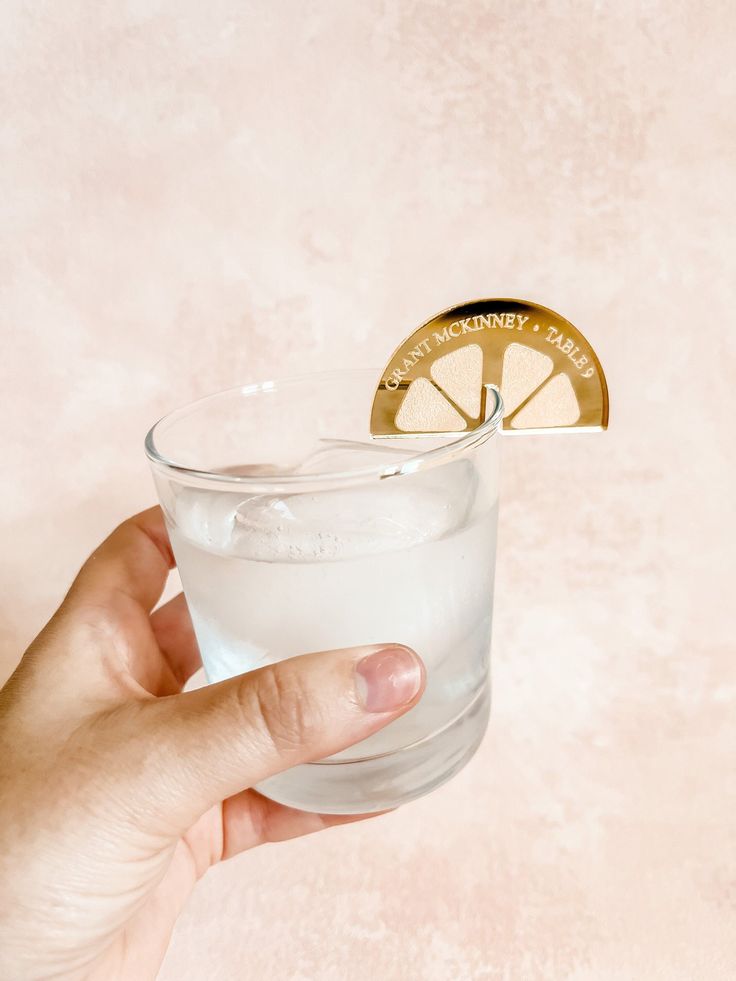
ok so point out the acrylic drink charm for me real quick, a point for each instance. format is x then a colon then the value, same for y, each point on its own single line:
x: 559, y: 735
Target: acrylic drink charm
x: 342, y: 509
x: 437, y: 380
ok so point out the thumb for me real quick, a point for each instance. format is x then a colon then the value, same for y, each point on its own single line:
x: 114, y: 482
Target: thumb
x: 221, y: 739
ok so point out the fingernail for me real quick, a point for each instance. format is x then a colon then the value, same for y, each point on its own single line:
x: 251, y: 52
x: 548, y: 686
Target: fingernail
x: 388, y: 679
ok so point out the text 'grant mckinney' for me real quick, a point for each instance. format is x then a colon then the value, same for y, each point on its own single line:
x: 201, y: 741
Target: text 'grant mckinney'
x: 491, y: 321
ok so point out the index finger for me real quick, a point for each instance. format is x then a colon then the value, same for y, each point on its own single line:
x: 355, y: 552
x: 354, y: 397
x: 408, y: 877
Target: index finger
x: 135, y: 560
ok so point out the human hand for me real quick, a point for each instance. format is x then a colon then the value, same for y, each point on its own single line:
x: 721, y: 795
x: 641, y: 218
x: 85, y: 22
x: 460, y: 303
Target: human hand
x: 118, y: 792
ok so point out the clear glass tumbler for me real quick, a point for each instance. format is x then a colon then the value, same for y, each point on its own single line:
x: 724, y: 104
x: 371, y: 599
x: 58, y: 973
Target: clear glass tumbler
x: 293, y: 532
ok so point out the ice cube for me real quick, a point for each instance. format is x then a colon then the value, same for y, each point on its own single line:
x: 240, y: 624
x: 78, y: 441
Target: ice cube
x: 206, y: 518
x: 382, y: 515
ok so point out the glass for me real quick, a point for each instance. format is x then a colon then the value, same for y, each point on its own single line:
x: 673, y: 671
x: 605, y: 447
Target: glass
x: 294, y: 532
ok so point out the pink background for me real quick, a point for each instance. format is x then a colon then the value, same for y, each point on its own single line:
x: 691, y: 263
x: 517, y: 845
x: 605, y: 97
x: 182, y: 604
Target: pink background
x: 200, y: 194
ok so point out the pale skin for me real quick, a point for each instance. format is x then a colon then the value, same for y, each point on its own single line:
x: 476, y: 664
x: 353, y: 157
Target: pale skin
x: 118, y: 790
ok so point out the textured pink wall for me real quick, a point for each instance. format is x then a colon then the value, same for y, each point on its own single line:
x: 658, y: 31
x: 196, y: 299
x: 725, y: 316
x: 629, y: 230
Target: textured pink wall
x: 197, y: 194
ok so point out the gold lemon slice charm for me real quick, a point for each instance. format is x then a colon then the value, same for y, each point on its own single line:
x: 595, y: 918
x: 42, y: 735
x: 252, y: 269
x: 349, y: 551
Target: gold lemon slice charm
x: 549, y: 376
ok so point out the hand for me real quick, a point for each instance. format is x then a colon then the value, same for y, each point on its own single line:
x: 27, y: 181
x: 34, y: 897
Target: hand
x: 117, y: 791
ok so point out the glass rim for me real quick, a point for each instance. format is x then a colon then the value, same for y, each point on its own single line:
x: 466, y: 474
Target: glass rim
x: 456, y: 444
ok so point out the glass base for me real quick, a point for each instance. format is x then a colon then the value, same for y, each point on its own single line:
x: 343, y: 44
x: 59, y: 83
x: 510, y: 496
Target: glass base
x: 378, y: 783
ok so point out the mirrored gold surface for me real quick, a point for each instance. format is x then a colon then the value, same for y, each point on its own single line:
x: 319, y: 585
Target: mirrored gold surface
x: 547, y: 372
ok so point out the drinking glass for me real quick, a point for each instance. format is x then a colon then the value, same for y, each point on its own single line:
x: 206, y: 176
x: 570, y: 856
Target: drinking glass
x: 294, y: 531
